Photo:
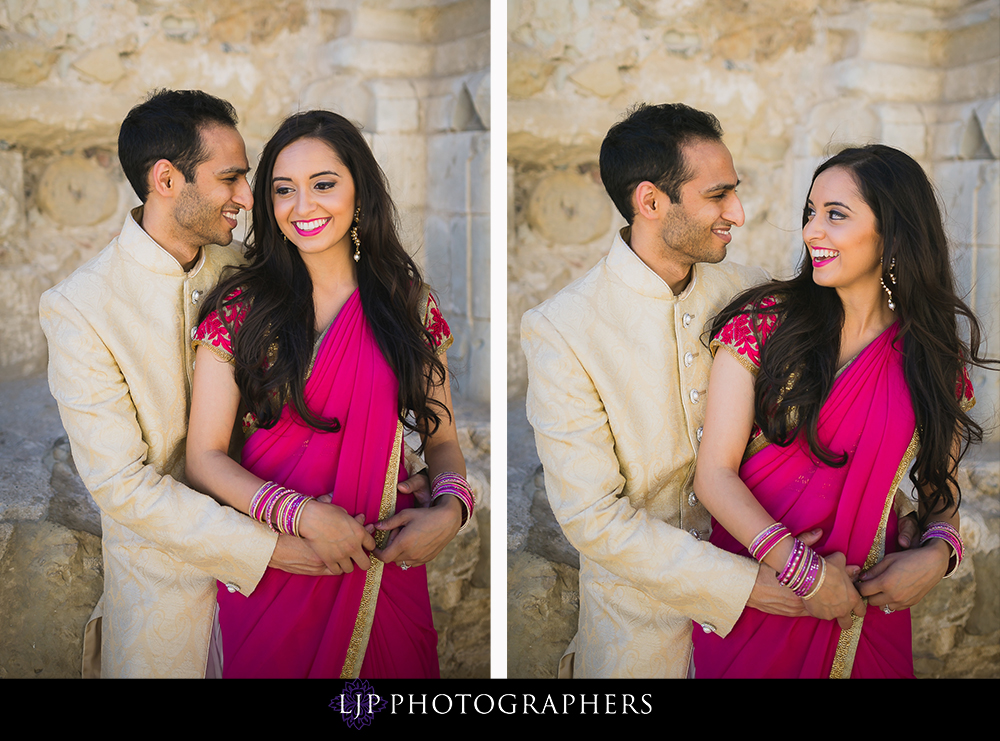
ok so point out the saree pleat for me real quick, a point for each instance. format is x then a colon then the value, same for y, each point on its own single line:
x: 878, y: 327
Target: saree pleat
x: 376, y: 623
x: 869, y: 416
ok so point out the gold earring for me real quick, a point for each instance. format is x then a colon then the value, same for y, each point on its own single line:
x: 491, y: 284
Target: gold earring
x: 892, y: 279
x: 354, y: 235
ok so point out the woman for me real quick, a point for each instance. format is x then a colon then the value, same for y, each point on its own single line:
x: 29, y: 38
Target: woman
x: 828, y: 376
x: 325, y: 341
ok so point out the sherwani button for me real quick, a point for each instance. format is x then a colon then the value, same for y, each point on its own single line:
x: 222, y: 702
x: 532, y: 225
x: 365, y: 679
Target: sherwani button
x: 692, y: 499
x: 698, y: 433
x: 194, y: 331
x: 696, y: 534
x: 694, y: 396
x: 195, y: 295
x: 708, y: 627
x: 686, y: 320
x: 688, y: 359
x: 232, y: 588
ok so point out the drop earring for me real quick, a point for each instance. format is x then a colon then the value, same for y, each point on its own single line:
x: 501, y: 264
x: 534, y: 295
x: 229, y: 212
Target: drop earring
x: 354, y: 235
x: 892, y: 280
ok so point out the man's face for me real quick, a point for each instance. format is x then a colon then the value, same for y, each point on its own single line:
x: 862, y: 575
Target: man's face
x: 207, y: 208
x: 696, y: 229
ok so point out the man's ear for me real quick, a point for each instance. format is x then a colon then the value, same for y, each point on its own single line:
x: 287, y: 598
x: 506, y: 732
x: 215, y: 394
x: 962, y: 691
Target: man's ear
x: 650, y: 201
x: 165, y: 179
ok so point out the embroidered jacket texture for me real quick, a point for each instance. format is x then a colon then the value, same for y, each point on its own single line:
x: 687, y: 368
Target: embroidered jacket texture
x: 617, y: 387
x: 120, y: 364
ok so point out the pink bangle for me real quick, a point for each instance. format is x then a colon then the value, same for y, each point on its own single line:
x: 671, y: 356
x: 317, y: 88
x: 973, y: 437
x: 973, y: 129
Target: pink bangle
x: 949, y: 535
x: 766, y: 540
x: 452, y: 483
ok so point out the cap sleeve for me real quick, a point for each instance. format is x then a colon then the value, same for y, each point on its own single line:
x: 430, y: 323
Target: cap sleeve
x: 434, y: 322
x: 964, y: 391
x: 737, y: 336
x: 213, y: 333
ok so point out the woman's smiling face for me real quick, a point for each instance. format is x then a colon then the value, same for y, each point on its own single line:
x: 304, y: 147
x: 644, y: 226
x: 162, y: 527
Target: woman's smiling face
x: 841, y: 233
x: 313, y: 196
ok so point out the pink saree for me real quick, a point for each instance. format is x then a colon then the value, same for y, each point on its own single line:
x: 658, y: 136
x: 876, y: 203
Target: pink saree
x: 374, y: 623
x: 869, y: 416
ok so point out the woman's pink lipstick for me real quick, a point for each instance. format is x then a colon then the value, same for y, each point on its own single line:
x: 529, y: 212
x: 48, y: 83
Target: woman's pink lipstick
x: 311, y: 232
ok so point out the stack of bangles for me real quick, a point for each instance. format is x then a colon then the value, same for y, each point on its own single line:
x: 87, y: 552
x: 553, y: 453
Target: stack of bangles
x: 805, y: 570
x: 278, y: 508
x: 949, y: 535
x: 456, y: 485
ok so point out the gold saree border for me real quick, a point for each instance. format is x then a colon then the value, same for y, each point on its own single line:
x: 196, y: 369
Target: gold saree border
x: 847, y: 645
x: 373, y: 577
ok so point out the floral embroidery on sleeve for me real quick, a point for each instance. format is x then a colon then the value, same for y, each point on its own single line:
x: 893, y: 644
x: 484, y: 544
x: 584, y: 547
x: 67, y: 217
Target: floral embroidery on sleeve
x: 435, y: 323
x: 737, y: 336
x: 213, y: 333
x: 964, y: 391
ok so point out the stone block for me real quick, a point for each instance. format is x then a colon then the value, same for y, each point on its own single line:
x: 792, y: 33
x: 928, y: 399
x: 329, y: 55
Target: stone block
x: 897, y: 46
x: 412, y: 25
x: 403, y: 157
x: 24, y: 60
x: 569, y: 208
x: 989, y: 115
x: 890, y: 82
x: 543, y: 602
x: 75, y: 191
x: 458, y: 19
x: 973, y: 81
x: 373, y: 58
x: 476, y: 384
x: 23, y: 351
x: 347, y: 94
x: 50, y: 579
x: 835, y: 124
x: 974, y: 42
x: 478, y: 87
x: 398, y: 114
x: 11, y: 197
x: 449, y: 157
x: 479, y: 174
x: 102, y: 64
x: 600, y: 77
x: 527, y: 73
x: 463, y: 55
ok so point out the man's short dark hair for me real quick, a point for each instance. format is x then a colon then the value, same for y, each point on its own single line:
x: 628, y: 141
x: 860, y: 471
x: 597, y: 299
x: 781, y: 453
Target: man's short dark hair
x: 646, y: 145
x: 167, y: 126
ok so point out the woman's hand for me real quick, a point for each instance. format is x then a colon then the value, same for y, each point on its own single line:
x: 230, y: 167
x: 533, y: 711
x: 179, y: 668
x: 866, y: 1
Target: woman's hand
x: 337, y: 538
x: 420, y: 534
x: 901, y: 580
x: 837, y: 598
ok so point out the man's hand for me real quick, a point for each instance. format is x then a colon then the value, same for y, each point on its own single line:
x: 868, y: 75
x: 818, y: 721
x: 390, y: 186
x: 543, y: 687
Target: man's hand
x: 902, y: 579
x: 770, y: 597
x: 909, y: 531
x: 295, y: 556
x: 419, y: 486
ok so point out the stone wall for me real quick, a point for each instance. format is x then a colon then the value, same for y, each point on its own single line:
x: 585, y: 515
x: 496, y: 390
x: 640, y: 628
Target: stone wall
x: 791, y: 81
x: 414, y: 73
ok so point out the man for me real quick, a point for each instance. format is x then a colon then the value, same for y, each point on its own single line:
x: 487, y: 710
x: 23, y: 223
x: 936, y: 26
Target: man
x: 120, y: 364
x: 617, y: 377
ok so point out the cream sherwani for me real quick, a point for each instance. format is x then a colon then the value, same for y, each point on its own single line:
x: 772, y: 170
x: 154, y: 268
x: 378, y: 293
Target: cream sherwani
x: 617, y: 382
x: 120, y: 365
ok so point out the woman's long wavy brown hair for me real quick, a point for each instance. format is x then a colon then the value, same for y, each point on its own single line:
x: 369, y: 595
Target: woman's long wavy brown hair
x: 276, y: 285
x: 799, y: 360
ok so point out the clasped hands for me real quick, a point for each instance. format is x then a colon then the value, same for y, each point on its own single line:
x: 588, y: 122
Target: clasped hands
x: 898, y: 581
x: 334, y: 542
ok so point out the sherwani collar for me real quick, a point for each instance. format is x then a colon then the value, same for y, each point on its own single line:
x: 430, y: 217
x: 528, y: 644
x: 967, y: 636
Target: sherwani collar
x: 142, y: 248
x: 638, y: 276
